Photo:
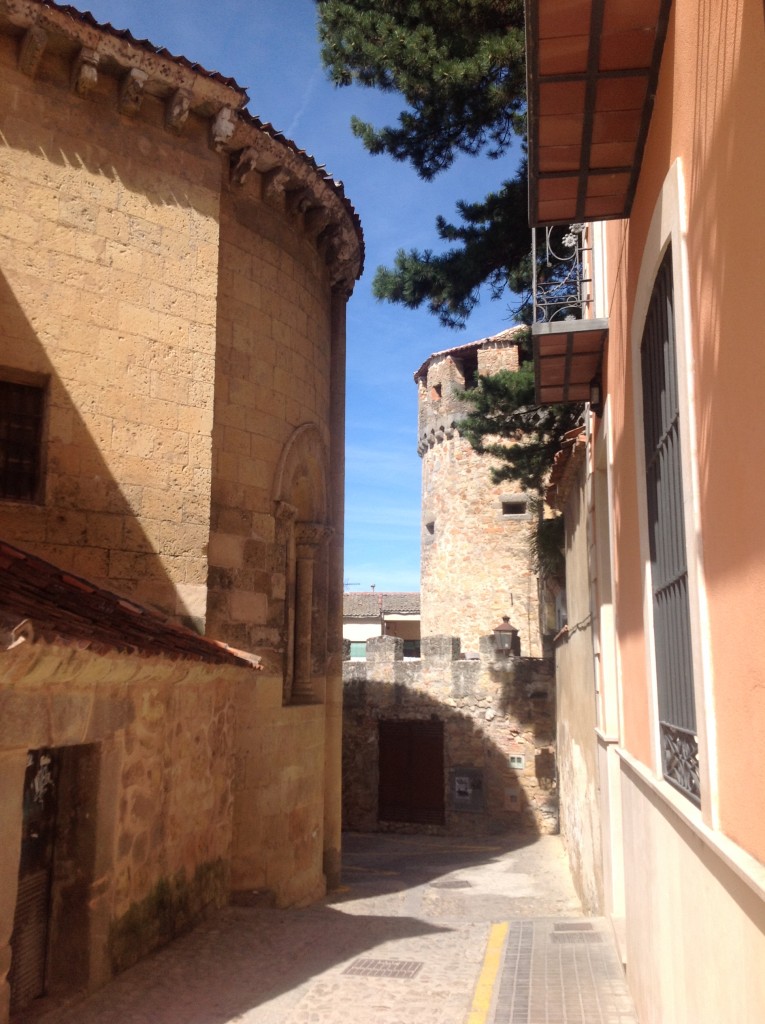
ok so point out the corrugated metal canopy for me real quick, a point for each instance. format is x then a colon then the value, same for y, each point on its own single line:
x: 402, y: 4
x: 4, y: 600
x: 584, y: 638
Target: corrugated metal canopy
x: 592, y: 72
x: 567, y: 356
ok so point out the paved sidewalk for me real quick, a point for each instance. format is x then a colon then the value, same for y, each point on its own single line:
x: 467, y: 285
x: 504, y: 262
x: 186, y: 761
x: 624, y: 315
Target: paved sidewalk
x: 426, y: 930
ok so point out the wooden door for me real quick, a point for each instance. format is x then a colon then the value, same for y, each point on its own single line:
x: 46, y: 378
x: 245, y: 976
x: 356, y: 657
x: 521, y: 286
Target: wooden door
x: 411, y: 766
x: 29, y: 940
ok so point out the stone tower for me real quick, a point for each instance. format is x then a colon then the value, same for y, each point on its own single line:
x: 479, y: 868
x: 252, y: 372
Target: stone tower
x: 476, y: 560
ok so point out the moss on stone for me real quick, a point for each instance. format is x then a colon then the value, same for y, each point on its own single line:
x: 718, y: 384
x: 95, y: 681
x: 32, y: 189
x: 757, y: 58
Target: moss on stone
x: 173, y: 906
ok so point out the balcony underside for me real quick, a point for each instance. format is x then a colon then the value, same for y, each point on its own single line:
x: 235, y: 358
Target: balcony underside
x: 567, y: 357
x: 593, y: 66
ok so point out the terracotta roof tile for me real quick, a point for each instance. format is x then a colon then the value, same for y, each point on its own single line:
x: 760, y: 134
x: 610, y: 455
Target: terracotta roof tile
x: 567, y: 460
x: 369, y: 604
x: 457, y: 349
x: 66, y: 609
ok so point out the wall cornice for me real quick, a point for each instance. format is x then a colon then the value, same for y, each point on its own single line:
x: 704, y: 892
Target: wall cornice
x: 290, y: 179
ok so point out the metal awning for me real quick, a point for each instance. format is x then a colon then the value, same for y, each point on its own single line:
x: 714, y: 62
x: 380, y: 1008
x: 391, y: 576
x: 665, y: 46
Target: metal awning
x: 593, y: 66
x: 567, y: 357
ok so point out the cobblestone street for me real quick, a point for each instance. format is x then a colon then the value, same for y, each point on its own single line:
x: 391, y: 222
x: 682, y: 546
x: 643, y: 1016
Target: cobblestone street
x: 426, y: 930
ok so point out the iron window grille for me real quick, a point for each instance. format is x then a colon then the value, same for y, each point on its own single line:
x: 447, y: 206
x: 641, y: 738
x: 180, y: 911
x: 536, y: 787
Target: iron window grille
x: 21, y: 419
x: 666, y: 531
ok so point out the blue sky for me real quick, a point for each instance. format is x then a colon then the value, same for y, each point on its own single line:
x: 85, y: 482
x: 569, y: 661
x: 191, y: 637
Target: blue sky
x: 270, y: 47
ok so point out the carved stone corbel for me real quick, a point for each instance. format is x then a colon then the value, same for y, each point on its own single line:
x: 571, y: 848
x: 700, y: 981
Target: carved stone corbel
x: 85, y: 71
x: 131, y: 91
x: 243, y: 165
x: 222, y: 128
x: 327, y: 240
x: 317, y: 220
x: 299, y: 200
x: 343, y: 276
x: 274, y: 184
x: 177, y: 110
x: 32, y: 48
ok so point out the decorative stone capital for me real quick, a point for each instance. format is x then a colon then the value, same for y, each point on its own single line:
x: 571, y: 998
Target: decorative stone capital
x: 177, y: 110
x: 32, y: 48
x: 131, y: 91
x: 285, y: 512
x: 85, y: 71
x: 310, y: 536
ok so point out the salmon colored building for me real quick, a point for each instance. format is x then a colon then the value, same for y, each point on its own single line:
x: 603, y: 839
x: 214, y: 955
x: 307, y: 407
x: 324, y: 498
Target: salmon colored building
x: 645, y: 125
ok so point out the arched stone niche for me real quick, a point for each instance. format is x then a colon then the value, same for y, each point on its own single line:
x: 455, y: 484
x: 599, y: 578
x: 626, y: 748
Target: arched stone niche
x: 302, y: 526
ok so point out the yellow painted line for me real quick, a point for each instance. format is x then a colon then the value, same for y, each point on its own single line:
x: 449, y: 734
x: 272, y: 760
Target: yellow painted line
x: 484, y: 988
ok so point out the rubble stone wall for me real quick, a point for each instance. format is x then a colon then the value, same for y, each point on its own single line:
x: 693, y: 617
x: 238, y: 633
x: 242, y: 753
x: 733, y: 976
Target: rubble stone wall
x: 476, y: 562
x: 491, y: 709
x: 145, y: 808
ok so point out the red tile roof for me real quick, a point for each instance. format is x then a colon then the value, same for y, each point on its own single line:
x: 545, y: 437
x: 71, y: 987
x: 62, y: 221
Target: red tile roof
x: 567, y: 461
x: 458, y: 350
x: 66, y: 609
x: 369, y: 604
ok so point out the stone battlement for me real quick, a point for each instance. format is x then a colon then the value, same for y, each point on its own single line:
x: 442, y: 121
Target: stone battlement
x: 496, y: 719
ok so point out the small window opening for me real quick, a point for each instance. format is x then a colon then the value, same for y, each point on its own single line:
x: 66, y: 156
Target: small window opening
x: 21, y: 419
x: 470, y: 370
x: 514, y: 507
x: 431, y: 527
x: 435, y: 393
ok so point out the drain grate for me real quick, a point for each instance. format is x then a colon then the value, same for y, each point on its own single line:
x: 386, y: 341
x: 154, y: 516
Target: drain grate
x: 451, y: 883
x: 572, y: 926
x: 405, y: 969
x: 576, y: 937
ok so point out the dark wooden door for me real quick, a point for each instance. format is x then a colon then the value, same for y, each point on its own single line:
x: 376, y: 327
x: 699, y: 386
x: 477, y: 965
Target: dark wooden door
x: 411, y: 786
x: 29, y: 940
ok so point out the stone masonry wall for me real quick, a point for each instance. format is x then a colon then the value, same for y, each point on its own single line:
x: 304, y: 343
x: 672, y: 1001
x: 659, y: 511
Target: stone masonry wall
x: 491, y: 709
x: 272, y: 375
x: 475, y: 556
x: 146, y: 798
x: 110, y: 261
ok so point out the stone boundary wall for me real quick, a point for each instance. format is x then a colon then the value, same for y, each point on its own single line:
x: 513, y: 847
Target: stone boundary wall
x: 492, y: 709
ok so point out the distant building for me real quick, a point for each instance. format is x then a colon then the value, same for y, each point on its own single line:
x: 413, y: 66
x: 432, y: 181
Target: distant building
x: 476, y: 562
x: 462, y: 740
x: 373, y: 614
x: 174, y: 277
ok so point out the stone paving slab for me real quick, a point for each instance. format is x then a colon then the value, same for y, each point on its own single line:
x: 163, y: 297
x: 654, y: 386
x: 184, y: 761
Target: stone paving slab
x: 562, y: 971
x: 403, y: 942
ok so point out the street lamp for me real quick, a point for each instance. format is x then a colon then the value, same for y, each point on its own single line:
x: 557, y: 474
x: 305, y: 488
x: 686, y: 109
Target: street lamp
x: 506, y: 639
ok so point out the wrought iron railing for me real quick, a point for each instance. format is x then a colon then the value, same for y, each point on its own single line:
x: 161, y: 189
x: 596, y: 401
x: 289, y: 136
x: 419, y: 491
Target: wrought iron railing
x: 562, y: 282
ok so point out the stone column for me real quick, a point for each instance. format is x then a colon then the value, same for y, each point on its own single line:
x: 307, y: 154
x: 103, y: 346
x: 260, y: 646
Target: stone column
x: 308, y: 539
x: 285, y: 520
x: 333, y: 698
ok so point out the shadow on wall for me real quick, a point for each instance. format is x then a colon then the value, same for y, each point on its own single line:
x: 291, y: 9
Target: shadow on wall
x: 458, y: 764
x: 86, y: 522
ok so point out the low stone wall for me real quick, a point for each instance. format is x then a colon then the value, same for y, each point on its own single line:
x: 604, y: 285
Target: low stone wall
x: 498, y: 719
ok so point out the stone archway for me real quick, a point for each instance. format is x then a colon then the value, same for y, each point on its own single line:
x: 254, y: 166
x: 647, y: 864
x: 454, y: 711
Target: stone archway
x: 301, y: 499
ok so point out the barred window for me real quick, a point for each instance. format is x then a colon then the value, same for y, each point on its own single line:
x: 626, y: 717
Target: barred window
x: 666, y: 532
x: 21, y: 418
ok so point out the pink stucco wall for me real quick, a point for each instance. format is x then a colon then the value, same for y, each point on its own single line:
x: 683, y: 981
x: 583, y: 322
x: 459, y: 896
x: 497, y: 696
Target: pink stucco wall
x: 709, y: 112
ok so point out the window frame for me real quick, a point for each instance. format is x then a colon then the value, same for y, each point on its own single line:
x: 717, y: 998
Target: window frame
x: 38, y: 383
